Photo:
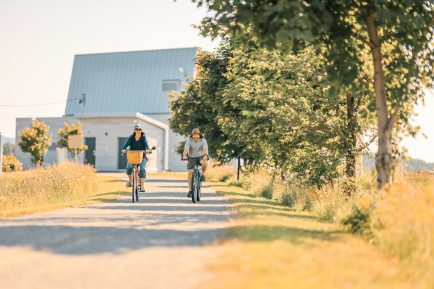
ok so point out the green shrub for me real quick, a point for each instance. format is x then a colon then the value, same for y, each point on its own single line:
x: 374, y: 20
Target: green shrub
x: 358, y: 221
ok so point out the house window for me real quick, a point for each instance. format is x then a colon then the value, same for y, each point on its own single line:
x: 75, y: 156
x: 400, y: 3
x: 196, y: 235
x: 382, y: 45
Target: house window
x: 170, y: 85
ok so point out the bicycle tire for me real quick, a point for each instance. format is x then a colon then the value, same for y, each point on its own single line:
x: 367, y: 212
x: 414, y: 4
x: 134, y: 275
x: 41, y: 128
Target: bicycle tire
x: 137, y: 189
x: 133, y: 186
x: 194, y: 190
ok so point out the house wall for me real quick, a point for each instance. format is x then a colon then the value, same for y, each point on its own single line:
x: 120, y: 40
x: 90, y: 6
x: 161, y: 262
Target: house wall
x: 175, y: 163
x: 54, y: 124
x: 107, y: 130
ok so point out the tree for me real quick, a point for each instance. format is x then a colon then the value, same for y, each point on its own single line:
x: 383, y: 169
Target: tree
x: 8, y: 149
x: 35, y: 140
x: 271, y: 106
x: 348, y: 29
x: 201, y: 102
x: 66, y: 131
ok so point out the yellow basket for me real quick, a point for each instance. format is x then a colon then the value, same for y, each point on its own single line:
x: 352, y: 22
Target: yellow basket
x: 134, y: 157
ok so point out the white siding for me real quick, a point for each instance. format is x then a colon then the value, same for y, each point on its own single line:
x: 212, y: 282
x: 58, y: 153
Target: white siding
x: 107, y: 131
x: 175, y: 163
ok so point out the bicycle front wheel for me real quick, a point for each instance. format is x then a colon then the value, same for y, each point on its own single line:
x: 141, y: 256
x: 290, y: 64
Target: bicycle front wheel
x: 194, y: 188
x: 133, y: 186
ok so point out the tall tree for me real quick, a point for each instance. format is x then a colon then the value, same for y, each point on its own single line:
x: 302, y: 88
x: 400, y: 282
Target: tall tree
x: 348, y: 29
x: 201, y: 102
x: 35, y: 140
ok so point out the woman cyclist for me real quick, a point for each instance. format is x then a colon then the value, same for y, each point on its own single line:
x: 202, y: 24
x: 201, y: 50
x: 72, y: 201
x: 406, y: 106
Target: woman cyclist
x: 137, y: 141
x: 196, y: 148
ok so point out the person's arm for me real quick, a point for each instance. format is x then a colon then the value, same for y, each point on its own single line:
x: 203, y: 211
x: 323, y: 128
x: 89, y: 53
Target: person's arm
x: 127, y: 143
x: 205, y: 148
x: 186, y: 149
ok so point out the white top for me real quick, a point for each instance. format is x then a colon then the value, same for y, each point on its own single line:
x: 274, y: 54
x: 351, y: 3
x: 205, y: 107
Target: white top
x: 196, y: 149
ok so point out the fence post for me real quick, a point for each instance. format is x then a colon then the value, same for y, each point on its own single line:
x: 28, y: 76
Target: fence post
x: 1, y: 153
x: 239, y: 168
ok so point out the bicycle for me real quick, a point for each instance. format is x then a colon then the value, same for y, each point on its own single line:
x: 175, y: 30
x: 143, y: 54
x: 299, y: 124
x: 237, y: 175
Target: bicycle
x: 135, y: 158
x: 196, y: 181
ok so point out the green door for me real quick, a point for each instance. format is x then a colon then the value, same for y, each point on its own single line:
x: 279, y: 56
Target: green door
x: 89, y: 155
x: 122, y: 159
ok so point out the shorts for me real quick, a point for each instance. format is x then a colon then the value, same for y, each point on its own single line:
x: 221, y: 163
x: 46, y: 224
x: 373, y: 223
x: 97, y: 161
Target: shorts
x: 193, y: 161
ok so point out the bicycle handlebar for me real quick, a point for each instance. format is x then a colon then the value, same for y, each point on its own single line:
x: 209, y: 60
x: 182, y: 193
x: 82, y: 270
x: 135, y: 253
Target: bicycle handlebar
x: 144, y: 151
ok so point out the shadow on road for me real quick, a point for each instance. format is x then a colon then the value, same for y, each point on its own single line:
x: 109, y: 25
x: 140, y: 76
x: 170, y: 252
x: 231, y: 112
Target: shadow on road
x: 162, y: 219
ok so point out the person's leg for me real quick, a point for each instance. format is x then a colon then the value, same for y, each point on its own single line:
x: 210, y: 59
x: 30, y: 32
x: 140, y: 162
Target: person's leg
x: 204, y: 163
x: 143, y: 173
x: 129, y: 170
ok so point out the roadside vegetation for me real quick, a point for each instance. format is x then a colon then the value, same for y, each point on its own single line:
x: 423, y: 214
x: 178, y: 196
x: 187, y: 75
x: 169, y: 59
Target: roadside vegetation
x: 55, y: 187
x: 279, y: 223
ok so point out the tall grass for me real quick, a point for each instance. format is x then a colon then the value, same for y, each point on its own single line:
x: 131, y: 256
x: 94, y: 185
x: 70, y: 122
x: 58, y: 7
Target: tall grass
x: 402, y: 221
x: 398, y: 219
x: 41, y: 186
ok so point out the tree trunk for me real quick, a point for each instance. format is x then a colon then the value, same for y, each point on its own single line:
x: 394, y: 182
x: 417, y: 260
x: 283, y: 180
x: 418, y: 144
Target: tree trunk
x: 350, y: 164
x: 383, y: 157
x: 351, y: 142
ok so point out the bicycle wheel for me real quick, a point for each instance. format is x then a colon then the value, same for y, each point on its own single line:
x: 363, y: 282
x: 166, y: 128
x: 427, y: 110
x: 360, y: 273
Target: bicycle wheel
x: 137, y: 187
x: 133, y: 185
x: 194, y: 188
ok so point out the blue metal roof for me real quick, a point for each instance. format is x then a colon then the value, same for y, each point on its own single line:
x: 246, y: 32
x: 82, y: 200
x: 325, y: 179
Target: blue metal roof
x: 126, y: 82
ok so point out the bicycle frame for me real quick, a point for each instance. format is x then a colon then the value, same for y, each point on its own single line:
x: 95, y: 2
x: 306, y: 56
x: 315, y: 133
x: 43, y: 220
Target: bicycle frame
x: 196, y: 183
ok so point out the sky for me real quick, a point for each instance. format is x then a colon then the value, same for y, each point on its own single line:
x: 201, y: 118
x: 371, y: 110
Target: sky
x: 38, y: 41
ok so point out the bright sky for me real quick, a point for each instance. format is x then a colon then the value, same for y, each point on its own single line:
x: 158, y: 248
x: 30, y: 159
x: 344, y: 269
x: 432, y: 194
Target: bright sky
x: 40, y: 38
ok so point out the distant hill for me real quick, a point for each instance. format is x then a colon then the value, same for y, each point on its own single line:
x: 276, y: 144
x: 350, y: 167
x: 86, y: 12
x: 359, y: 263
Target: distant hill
x: 414, y: 165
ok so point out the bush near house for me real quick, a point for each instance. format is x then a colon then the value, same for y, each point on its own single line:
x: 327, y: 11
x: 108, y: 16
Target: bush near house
x: 35, y: 140
x: 11, y: 164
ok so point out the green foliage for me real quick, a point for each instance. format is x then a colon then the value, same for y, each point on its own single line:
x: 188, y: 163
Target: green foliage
x: 273, y: 107
x: 11, y: 164
x: 8, y: 149
x: 66, y: 131
x: 358, y: 221
x: 35, y: 140
x: 200, y: 105
x: 402, y: 54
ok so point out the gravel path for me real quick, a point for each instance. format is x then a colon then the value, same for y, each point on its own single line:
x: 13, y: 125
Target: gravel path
x: 164, y: 241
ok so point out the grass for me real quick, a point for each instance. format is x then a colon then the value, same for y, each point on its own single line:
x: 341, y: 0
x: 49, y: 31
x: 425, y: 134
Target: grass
x: 270, y: 245
x: 53, y: 188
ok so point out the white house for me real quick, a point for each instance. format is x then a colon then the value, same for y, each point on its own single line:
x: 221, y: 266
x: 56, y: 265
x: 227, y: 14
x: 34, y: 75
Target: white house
x: 110, y: 92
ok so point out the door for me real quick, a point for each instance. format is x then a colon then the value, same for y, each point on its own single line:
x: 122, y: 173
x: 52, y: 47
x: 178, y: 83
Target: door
x: 89, y: 155
x: 122, y: 159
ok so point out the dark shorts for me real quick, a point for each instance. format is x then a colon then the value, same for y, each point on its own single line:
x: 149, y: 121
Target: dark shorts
x: 193, y: 161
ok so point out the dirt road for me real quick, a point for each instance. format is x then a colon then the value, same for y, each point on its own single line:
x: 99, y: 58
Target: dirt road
x: 164, y: 241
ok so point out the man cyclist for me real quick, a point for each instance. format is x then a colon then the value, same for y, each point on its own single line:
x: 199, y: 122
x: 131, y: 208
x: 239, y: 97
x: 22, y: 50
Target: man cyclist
x: 196, y: 148
x: 137, y: 141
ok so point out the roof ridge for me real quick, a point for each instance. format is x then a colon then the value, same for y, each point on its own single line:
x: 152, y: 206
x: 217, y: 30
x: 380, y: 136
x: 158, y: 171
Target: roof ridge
x: 133, y: 51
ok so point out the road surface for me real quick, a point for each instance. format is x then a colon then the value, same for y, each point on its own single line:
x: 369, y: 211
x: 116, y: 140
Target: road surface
x: 164, y: 241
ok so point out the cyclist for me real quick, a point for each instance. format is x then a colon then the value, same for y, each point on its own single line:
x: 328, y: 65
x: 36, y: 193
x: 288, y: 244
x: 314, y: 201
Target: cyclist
x: 137, y: 141
x: 196, y: 148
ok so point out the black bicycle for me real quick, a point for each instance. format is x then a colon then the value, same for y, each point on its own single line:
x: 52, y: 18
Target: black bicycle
x: 135, y: 158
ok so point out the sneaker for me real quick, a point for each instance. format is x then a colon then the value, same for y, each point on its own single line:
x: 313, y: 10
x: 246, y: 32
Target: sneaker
x: 190, y: 193
x: 142, y: 189
x: 202, y: 178
x: 128, y: 184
